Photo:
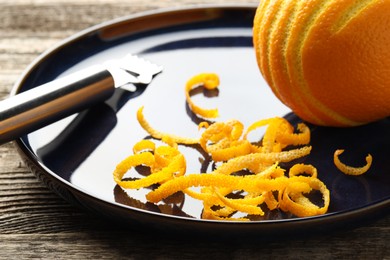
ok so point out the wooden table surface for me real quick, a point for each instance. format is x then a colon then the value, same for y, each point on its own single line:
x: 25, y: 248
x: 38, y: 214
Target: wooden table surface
x: 36, y: 223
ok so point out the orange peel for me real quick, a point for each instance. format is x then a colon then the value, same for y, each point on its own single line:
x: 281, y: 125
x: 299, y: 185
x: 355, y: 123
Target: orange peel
x: 349, y: 170
x: 207, y: 80
x: 161, y: 135
x: 246, y: 205
x: 288, y: 137
x: 279, y: 134
x: 293, y: 198
x: 144, y: 145
x: 221, y: 140
x: 303, y: 169
x: 165, y: 163
x: 252, y: 161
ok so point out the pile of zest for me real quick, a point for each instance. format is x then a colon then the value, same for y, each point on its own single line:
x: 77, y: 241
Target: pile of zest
x: 265, y: 184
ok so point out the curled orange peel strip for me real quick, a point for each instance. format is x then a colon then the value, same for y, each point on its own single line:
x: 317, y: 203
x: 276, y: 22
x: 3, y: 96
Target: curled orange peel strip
x: 288, y: 137
x: 235, y: 149
x: 228, y: 206
x: 207, y: 80
x: 349, y: 170
x: 293, y: 198
x: 257, y: 124
x: 303, y: 169
x: 146, y: 159
x: 143, y: 146
x: 221, y: 140
x: 203, y: 125
x: 165, y: 155
x: 279, y: 134
x: 251, y: 161
x: 161, y: 135
x: 165, y: 163
x: 221, y: 131
x: 269, y: 140
x: 246, y: 205
x: 271, y: 172
x: 270, y: 200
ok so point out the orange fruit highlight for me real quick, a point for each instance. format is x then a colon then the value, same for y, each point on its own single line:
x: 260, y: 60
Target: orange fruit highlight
x: 328, y: 60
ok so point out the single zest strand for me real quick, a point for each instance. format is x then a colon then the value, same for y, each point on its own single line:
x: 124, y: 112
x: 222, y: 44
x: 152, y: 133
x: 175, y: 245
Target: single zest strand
x: 161, y: 135
x: 270, y: 200
x: 236, y: 149
x: 207, y: 80
x: 279, y: 134
x: 220, y: 140
x: 247, y: 205
x: 349, y: 170
x: 251, y: 161
x: 257, y: 124
x: 293, y: 200
x: 290, y: 138
x: 221, y: 132
x: 269, y: 139
x: 300, y: 169
x: 143, y: 146
x: 273, y: 171
x: 160, y: 176
x: 174, y: 162
x: 165, y: 163
x: 146, y: 159
x: 164, y: 155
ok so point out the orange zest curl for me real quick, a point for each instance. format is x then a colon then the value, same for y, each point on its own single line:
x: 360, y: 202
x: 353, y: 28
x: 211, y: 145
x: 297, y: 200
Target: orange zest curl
x: 161, y: 135
x: 143, y: 146
x: 165, y: 163
x: 288, y: 137
x: 207, y: 80
x: 302, y: 169
x: 253, y: 161
x: 279, y: 134
x: 349, y: 170
x: 293, y: 198
x: 221, y: 140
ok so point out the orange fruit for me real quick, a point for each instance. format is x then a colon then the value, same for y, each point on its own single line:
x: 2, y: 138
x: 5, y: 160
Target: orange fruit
x: 328, y: 60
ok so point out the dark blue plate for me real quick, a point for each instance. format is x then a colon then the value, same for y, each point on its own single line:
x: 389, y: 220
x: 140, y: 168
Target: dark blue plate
x: 76, y: 156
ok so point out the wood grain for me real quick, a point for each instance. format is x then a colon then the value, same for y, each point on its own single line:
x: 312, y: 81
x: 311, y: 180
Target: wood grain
x: 36, y: 223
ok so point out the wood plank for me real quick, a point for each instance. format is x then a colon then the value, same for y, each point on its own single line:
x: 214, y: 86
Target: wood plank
x: 97, y: 244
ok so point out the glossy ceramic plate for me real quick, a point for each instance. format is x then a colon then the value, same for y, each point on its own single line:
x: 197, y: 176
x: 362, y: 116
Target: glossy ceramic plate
x: 77, y: 155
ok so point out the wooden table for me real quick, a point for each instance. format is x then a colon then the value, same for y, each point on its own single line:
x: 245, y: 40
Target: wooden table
x: 34, y: 222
